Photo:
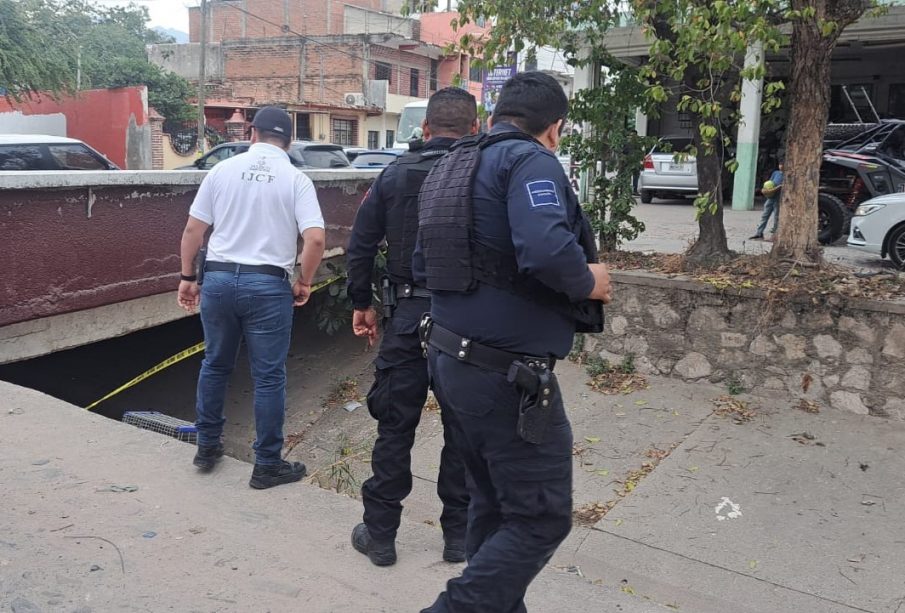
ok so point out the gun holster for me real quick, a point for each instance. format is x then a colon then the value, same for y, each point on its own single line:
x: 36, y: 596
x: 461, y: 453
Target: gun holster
x: 387, y: 296
x: 540, y: 393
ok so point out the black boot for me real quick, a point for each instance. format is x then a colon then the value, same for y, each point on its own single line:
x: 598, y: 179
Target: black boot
x: 380, y: 553
x: 266, y: 475
x: 207, y: 456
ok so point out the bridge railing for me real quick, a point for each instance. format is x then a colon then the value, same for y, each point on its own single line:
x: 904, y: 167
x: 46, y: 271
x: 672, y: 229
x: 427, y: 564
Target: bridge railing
x: 79, y: 240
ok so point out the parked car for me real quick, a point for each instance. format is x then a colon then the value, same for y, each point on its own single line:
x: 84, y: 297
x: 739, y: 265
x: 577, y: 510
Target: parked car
x: 878, y: 226
x: 304, y: 154
x: 868, y: 165
x: 376, y: 159
x: 665, y: 177
x: 353, y: 152
x: 41, y: 152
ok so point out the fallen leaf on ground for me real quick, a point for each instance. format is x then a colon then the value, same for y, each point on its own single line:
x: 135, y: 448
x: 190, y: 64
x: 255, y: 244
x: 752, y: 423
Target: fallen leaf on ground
x: 808, y: 406
x: 739, y: 410
x: 591, y: 513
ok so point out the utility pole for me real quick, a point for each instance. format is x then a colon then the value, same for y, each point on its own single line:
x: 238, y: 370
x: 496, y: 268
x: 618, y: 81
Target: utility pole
x: 202, y: 78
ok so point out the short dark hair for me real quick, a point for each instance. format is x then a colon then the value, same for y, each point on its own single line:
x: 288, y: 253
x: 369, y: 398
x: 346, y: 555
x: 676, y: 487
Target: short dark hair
x: 272, y: 138
x: 533, y: 101
x: 451, y: 110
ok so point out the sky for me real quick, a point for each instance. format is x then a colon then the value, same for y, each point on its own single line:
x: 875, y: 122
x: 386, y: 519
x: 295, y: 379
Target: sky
x: 164, y: 13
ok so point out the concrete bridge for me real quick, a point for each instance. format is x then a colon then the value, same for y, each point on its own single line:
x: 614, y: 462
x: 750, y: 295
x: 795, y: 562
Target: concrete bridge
x: 95, y: 255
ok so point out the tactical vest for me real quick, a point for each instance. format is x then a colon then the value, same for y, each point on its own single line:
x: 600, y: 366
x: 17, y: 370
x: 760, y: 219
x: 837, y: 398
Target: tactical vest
x: 454, y: 262
x: 402, y: 218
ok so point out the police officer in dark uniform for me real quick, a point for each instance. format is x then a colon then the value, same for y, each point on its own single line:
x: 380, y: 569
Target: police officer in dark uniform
x: 396, y: 399
x: 511, y: 264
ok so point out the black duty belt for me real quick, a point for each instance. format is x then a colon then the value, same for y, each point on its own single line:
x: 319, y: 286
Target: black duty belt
x: 405, y: 290
x: 265, y: 269
x: 471, y: 352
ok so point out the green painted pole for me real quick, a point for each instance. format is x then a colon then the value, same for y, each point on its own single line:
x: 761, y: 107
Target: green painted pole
x: 745, y: 179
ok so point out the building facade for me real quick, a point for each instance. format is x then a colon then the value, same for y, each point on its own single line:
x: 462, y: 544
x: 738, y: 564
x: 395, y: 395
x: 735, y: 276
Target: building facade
x: 343, y: 70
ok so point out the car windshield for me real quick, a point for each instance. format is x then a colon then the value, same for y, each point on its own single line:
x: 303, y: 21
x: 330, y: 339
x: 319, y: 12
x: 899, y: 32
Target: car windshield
x: 321, y: 156
x: 375, y: 159
x: 412, y: 118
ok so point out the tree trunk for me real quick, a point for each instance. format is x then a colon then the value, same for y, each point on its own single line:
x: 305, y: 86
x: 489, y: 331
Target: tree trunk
x: 711, y: 246
x: 809, y: 103
x: 809, y: 100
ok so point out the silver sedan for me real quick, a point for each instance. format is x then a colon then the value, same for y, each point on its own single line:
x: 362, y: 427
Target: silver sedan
x: 665, y: 176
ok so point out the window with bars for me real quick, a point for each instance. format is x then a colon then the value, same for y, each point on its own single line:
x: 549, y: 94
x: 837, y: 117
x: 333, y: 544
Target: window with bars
x: 475, y: 72
x: 391, y: 138
x: 435, y: 66
x: 373, y: 139
x: 345, y: 132
x: 383, y: 72
x: 302, y: 126
x: 414, y: 82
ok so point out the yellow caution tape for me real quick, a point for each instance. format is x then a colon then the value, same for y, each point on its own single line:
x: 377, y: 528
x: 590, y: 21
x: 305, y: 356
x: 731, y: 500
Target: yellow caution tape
x: 185, y: 353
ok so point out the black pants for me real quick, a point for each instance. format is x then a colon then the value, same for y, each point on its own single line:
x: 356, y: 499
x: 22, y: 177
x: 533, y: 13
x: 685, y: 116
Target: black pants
x: 396, y: 400
x: 521, y: 493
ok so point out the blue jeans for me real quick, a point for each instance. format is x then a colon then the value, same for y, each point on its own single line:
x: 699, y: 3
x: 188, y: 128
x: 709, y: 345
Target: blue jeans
x: 258, y: 308
x: 771, y: 206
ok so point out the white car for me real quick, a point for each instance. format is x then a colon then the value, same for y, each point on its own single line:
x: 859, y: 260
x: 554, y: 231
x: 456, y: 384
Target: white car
x: 666, y: 177
x: 42, y: 152
x: 878, y: 226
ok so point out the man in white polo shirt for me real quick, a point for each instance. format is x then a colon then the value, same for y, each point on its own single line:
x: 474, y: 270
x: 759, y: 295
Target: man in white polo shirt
x: 257, y: 203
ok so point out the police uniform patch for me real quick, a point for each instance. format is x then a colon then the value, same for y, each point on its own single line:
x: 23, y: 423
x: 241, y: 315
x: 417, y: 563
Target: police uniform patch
x: 542, y: 193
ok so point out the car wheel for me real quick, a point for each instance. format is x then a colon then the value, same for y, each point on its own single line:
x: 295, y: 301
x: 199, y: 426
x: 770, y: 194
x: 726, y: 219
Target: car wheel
x: 830, y: 218
x: 896, y: 246
x: 647, y: 196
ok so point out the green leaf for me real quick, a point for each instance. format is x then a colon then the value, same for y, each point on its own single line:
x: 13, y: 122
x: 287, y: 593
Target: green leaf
x: 592, y: 439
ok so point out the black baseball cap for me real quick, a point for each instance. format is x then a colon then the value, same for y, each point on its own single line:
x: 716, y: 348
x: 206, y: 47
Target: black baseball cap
x: 273, y: 119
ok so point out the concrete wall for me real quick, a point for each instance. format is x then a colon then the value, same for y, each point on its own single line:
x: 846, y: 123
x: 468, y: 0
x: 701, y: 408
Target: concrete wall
x: 839, y: 352
x: 358, y: 20
x: 113, y: 121
x: 16, y: 122
x: 185, y: 59
x: 78, y: 242
x: 171, y: 159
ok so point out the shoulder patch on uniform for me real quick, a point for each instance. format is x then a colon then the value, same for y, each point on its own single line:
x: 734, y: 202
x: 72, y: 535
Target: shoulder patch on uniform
x: 542, y: 193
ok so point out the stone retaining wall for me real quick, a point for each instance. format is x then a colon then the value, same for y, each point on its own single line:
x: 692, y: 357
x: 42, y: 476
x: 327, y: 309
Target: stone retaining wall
x: 846, y: 353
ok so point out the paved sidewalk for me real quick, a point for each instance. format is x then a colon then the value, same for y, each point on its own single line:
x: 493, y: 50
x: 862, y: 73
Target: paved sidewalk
x: 74, y: 538
x: 787, y: 512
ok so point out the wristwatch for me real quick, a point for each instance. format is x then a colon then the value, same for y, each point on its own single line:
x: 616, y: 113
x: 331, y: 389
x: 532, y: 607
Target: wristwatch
x: 189, y: 278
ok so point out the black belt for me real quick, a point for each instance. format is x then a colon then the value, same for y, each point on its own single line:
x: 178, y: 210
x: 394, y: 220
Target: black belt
x: 405, y: 290
x: 265, y: 269
x: 467, y: 350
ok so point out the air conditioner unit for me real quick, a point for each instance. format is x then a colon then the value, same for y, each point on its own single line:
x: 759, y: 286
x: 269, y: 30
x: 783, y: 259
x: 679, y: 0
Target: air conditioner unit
x: 355, y: 99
